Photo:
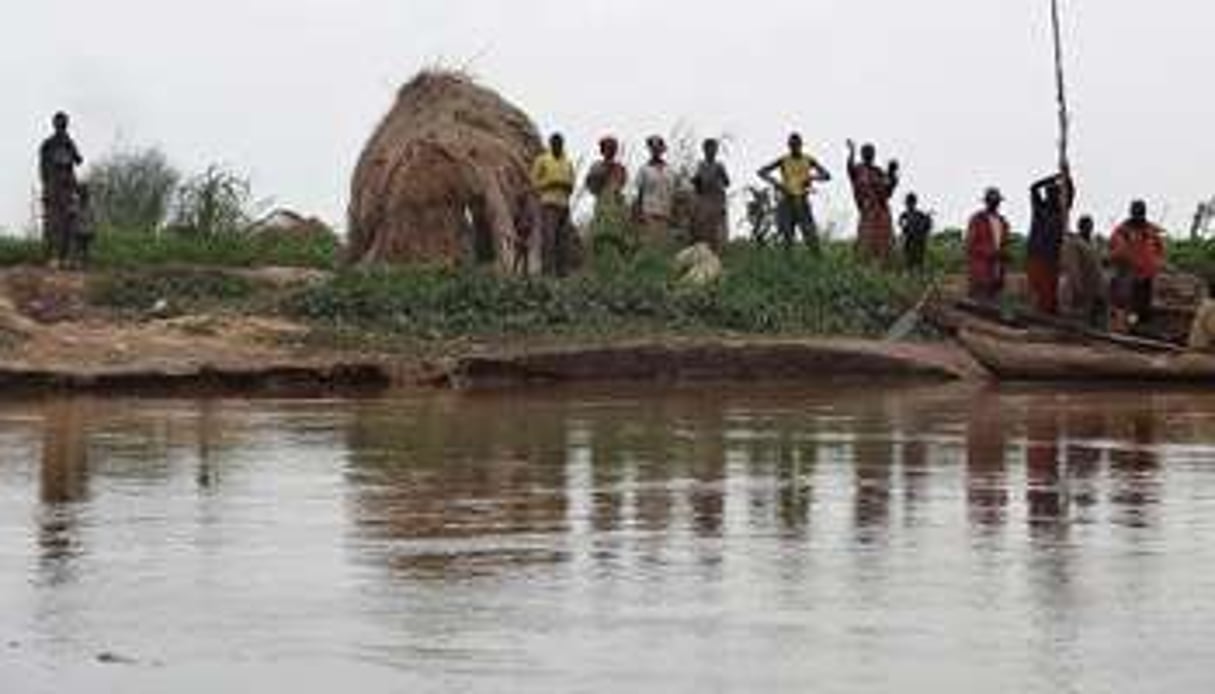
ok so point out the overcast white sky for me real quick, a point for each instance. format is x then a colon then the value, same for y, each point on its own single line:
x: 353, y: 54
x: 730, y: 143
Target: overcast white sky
x: 960, y: 90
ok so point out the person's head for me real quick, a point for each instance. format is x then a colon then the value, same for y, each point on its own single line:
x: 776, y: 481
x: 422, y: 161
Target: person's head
x: 1086, y: 226
x: 556, y: 144
x: 711, y: 148
x: 912, y: 200
x: 795, y: 144
x: 992, y: 198
x: 657, y: 147
x: 1139, y: 212
x: 60, y: 122
x: 868, y: 154
x: 609, y: 147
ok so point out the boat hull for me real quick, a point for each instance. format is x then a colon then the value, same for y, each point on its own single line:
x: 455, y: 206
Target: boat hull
x: 1022, y: 356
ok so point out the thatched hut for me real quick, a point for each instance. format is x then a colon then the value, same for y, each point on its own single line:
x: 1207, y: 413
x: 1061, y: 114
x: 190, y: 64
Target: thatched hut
x: 445, y: 177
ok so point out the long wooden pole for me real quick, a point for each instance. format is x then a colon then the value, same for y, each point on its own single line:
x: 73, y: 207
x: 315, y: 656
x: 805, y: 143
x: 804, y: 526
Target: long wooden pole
x: 1061, y: 85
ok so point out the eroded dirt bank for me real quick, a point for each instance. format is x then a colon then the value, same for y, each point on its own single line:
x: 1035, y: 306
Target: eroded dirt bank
x: 50, y: 339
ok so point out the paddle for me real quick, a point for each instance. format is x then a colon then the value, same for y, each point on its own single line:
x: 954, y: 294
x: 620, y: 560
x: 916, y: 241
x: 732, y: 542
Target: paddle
x: 907, y: 323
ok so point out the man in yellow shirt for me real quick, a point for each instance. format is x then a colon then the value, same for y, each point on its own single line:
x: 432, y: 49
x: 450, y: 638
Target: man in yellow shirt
x: 553, y: 182
x: 798, y: 174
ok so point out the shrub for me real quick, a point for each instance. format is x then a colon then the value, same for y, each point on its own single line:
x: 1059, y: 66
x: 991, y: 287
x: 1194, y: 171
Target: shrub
x: 131, y: 191
x: 212, y: 203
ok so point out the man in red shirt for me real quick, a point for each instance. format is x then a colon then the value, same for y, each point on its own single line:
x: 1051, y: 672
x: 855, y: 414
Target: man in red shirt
x: 987, y: 239
x: 1137, y: 253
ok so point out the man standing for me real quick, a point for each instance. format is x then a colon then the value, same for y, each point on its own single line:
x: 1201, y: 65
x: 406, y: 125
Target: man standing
x: 1083, y: 279
x: 1137, y: 253
x: 553, y: 181
x: 655, y: 204
x: 915, y: 225
x: 798, y: 174
x: 1051, y: 201
x: 711, y: 182
x: 987, y: 238
x: 606, y: 181
x: 57, y: 162
x: 872, y: 189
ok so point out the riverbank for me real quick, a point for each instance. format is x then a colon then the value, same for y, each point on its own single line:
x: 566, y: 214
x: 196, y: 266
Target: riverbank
x: 190, y: 329
x: 237, y: 323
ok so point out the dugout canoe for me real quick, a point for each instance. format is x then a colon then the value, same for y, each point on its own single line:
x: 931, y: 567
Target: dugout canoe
x: 1043, y: 355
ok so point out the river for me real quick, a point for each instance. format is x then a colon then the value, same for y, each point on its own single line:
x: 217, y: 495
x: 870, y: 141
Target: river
x: 698, y: 539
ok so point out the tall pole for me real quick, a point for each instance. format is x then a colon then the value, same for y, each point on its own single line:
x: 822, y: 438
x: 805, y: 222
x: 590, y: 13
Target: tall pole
x: 1064, y: 117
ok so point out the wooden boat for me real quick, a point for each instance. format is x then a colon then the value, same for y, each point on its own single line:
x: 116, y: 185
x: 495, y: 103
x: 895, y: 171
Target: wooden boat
x: 1031, y: 348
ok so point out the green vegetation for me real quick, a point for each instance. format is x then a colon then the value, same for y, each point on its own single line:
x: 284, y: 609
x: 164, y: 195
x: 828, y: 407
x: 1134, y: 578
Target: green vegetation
x: 1195, y: 256
x: 140, y: 192
x: 130, y: 251
x: 763, y: 292
x: 132, y: 190
x: 175, y: 289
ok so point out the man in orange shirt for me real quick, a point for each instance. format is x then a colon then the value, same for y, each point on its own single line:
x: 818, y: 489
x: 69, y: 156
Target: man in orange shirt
x: 1137, y: 253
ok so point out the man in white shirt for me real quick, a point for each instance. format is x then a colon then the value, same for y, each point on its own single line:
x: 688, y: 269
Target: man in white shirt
x: 656, y: 187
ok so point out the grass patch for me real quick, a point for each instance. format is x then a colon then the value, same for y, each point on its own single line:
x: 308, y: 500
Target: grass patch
x: 129, y: 251
x: 763, y: 292
x: 177, y: 289
x: 16, y: 251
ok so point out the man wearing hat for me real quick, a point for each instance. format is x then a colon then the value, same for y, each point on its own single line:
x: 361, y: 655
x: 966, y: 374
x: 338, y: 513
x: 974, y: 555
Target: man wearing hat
x: 987, y: 240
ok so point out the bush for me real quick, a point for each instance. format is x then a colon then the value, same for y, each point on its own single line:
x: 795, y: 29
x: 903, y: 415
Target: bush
x: 131, y: 191
x: 213, y: 203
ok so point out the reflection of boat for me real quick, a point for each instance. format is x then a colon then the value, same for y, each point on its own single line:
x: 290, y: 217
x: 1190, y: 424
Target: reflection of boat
x: 1036, y: 348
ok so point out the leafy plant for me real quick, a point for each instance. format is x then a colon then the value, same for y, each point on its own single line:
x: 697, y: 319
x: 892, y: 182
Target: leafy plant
x: 214, y: 202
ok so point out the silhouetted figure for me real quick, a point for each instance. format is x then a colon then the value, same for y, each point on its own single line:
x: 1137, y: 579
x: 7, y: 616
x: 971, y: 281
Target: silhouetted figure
x: 915, y: 227
x: 1050, y: 201
x: 58, y: 158
x: 798, y: 174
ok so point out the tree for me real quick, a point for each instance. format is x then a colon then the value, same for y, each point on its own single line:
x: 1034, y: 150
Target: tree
x: 131, y: 191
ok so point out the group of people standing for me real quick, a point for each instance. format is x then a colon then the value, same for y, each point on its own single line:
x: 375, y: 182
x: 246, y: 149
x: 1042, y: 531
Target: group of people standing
x: 658, y: 187
x: 1067, y: 272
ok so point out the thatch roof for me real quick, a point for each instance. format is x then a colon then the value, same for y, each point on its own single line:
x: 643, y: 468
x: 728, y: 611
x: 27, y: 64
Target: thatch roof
x: 445, y: 172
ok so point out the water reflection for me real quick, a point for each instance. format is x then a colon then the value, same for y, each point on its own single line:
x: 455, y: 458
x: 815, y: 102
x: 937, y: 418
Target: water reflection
x: 586, y: 533
x: 63, y: 484
x: 444, y: 484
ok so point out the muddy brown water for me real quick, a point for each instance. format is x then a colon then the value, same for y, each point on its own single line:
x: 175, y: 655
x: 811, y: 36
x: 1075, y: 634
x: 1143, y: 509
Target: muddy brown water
x: 709, y: 538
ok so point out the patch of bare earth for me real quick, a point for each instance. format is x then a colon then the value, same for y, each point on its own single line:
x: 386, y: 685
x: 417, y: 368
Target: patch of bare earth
x: 48, y: 328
